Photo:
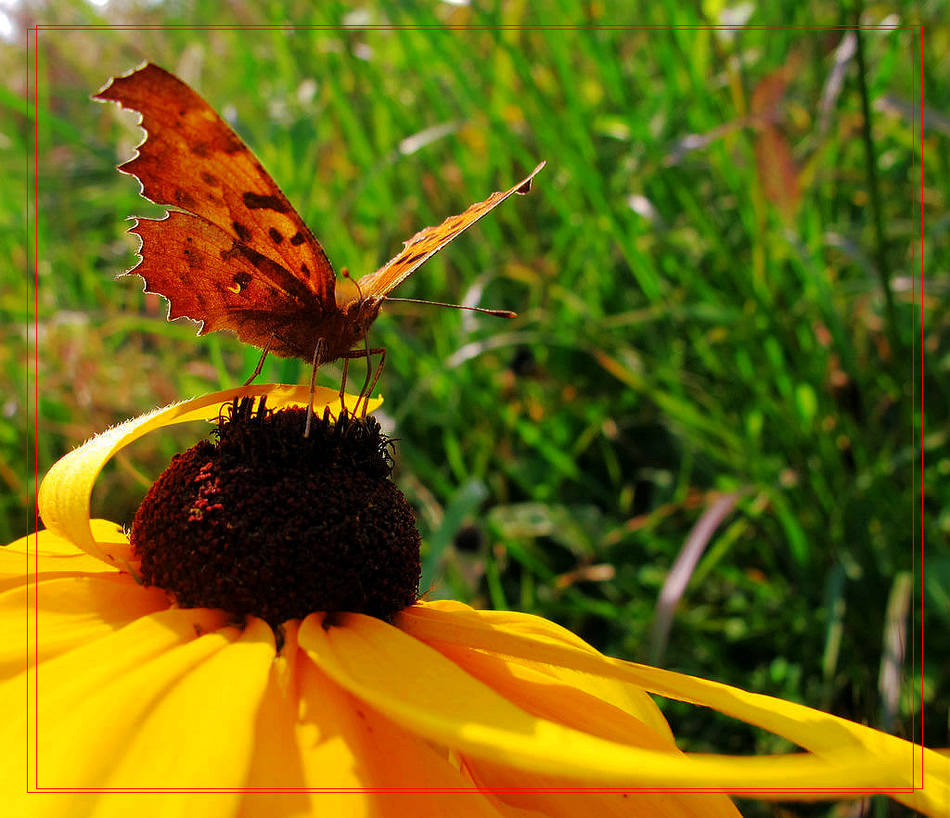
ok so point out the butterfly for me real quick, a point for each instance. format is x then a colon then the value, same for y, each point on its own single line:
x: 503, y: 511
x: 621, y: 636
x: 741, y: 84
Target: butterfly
x: 233, y: 253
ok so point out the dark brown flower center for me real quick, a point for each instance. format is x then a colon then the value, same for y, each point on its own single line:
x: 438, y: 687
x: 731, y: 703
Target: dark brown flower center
x: 264, y: 521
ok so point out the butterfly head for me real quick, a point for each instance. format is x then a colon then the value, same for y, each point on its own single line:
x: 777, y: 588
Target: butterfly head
x: 363, y: 312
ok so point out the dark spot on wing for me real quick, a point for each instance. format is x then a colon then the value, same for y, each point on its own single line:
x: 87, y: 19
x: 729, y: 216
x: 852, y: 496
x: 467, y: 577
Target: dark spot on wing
x: 241, y: 280
x: 305, y: 270
x: 273, y: 273
x: 413, y: 259
x: 209, y: 178
x: 275, y: 235
x: 243, y: 233
x: 255, y: 201
x: 231, y: 143
x: 201, y: 149
x: 193, y: 258
x: 297, y: 238
x: 184, y: 199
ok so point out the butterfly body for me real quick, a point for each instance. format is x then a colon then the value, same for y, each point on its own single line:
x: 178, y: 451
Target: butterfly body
x: 234, y: 254
x: 341, y: 329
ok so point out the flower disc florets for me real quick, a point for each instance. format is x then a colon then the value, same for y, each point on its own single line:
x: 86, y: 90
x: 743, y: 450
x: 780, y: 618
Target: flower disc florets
x: 267, y: 522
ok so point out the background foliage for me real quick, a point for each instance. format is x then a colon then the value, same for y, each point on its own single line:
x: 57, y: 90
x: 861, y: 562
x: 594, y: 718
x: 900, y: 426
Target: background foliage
x: 713, y: 276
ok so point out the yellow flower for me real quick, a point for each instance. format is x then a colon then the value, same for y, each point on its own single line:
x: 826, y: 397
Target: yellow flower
x: 117, y: 702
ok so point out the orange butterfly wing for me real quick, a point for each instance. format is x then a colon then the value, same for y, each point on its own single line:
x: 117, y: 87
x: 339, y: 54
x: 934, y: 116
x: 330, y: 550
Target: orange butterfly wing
x: 427, y: 242
x: 240, y: 258
x: 208, y: 276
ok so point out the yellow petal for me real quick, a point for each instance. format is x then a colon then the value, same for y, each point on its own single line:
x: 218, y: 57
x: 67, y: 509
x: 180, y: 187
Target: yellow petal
x: 45, y: 555
x: 68, y: 612
x: 197, y: 735
x: 420, y: 689
x: 275, y: 762
x: 933, y: 794
x: 85, y: 704
x: 562, y: 798
x: 65, y: 491
x: 557, y: 694
x: 845, y: 753
x: 605, y: 707
x: 585, y: 702
x: 313, y: 735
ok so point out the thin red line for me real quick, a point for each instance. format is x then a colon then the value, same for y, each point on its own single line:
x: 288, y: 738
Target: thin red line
x: 917, y: 100
x: 913, y: 405
x: 468, y: 27
x: 473, y: 790
x: 36, y: 392
x: 919, y: 124
x: 417, y: 27
x: 29, y: 493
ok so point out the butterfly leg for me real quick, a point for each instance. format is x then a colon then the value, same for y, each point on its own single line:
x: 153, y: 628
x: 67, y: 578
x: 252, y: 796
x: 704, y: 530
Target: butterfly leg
x: 346, y: 367
x: 381, y: 351
x: 317, y: 354
x: 369, y: 384
x: 260, y: 363
x: 369, y: 373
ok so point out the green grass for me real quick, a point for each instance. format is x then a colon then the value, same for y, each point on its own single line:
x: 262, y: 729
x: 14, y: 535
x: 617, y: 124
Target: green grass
x: 731, y: 336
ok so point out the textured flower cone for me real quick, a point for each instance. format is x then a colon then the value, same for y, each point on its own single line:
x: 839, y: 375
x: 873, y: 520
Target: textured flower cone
x: 126, y: 704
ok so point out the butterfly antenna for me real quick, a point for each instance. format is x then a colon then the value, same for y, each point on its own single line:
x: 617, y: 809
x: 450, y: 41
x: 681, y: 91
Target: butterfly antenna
x: 496, y: 313
x: 345, y: 272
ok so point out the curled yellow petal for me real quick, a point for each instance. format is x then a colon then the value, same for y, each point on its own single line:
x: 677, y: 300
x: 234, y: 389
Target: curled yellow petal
x: 571, y: 698
x: 420, y: 689
x: 844, y: 753
x: 64, y: 494
x: 607, y: 707
x: 558, y: 797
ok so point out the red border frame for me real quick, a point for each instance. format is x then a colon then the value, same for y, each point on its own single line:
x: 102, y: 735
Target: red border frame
x: 32, y: 89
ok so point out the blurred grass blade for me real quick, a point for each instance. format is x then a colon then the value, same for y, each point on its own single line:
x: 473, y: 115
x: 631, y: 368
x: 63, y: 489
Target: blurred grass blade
x: 682, y: 570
